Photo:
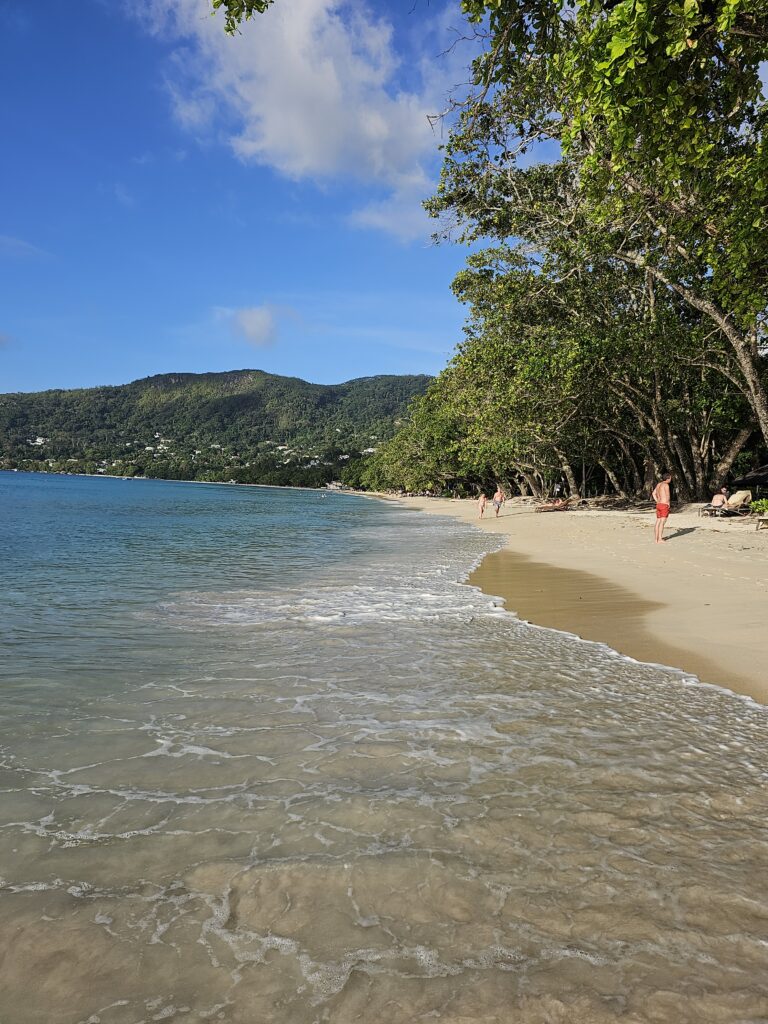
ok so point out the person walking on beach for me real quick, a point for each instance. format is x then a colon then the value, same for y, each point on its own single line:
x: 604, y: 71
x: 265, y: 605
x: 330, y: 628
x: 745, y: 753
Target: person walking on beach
x: 498, y: 499
x: 661, y: 495
x: 482, y: 501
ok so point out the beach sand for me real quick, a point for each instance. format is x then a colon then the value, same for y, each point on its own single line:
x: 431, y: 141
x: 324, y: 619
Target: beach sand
x: 698, y: 603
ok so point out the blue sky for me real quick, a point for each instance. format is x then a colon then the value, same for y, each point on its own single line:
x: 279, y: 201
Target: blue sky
x: 173, y: 199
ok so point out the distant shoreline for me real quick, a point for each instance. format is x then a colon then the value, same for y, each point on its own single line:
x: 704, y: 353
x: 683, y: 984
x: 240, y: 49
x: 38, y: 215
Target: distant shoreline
x: 698, y: 603
x: 169, y: 480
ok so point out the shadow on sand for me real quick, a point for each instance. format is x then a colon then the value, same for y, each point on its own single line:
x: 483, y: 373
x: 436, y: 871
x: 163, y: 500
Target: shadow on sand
x: 681, y: 532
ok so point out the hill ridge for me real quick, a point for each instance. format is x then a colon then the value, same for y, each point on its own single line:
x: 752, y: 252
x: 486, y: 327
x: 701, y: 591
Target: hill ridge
x: 248, y: 425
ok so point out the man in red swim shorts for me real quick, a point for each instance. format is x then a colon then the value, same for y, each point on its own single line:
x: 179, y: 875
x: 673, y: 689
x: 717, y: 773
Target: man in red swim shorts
x: 661, y: 495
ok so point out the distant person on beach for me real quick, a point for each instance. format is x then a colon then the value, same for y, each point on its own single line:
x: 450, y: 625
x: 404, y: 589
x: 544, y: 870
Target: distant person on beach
x: 556, y: 505
x: 498, y: 500
x: 661, y: 495
x: 482, y: 501
x: 720, y: 499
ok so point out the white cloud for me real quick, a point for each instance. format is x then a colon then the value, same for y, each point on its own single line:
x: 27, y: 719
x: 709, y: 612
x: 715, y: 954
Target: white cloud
x: 257, y: 324
x: 400, y: 212
x: 312, y: 89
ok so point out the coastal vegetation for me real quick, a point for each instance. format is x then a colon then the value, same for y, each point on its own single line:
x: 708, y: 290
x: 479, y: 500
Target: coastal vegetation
x: 245, y: 425
x: 612, y: 158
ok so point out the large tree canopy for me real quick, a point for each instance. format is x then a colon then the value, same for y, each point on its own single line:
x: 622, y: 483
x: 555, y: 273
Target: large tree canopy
x: 586, y: 372
x: 667, y: 80
x: 658, y: 112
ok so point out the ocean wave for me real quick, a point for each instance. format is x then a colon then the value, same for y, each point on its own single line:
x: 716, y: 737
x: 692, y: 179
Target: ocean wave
x: 352, y: 606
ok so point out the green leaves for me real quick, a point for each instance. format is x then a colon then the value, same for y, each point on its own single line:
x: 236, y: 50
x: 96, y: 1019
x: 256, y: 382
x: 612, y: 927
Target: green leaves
x: 238, y: 11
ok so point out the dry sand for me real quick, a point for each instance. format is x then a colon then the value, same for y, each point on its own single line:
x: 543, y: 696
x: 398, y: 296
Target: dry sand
x: 698, y: 602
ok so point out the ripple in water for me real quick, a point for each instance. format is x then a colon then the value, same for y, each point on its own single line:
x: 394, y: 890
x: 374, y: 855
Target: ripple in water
x: 371, y: 796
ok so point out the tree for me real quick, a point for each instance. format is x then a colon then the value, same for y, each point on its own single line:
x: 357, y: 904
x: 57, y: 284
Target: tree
x: 575, y: 372
x: 659, y: 107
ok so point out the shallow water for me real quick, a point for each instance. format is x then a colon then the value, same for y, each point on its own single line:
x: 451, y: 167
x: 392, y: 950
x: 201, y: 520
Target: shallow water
x: 264, y: 758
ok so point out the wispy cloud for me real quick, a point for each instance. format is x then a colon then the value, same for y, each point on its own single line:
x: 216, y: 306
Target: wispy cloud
x: 119, y: 192
x: 314, y: 89
x: 399, y: 213
x: 257, y: 324
x: 17, y: 248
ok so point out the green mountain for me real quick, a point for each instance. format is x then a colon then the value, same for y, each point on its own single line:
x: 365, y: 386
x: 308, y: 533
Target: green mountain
x: 244, y: 425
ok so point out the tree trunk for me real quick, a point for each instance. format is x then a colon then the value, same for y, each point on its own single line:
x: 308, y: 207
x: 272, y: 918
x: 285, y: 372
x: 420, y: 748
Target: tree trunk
x: 699, y: 469
x: 570, y: 476
x: 637, y: 483
x: 745, y: 347
x: 650, y: 472
x: 688, y: 489
x: 533, y: 484
x: 723, y: 468
x: 614, y: 479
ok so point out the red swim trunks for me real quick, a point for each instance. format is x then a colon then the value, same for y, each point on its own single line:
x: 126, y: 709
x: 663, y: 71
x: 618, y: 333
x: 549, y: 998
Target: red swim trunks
x: 662, y: 510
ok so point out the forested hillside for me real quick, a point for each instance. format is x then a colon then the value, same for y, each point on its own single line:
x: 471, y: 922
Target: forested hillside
x: 246, y: 425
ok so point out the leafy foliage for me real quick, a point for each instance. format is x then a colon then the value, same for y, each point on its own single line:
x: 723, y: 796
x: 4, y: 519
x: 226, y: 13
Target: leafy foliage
x: 659, y: 109
x: 237, y: 11
x: 574, y: 372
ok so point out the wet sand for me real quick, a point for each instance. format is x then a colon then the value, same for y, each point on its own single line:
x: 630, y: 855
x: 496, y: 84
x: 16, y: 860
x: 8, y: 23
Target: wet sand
x: 698, y: 603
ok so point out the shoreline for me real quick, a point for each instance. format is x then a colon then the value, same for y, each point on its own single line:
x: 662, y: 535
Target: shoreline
x: 699, y: 603
x: 170, y: 480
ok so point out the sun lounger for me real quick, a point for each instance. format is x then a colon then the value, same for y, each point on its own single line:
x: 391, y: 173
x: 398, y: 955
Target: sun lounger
x: 737, y: 505
x: 564, y: 506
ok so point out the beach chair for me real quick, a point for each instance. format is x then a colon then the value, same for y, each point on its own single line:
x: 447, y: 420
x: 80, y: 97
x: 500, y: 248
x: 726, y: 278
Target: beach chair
x: 710, y: 509
x: 564, y: 506
x: 737, y: 505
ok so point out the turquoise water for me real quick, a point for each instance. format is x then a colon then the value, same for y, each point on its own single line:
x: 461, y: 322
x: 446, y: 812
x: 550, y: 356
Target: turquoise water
x: 88, y: 561
x: 264, y: 757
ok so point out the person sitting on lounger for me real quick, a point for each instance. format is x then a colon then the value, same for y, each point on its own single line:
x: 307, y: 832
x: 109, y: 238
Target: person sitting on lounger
x: 736, y: 505
x: 557, y: 505
x: 717, y: 505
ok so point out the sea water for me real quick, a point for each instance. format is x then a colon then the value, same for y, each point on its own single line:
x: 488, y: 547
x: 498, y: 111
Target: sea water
x: 265, y: 758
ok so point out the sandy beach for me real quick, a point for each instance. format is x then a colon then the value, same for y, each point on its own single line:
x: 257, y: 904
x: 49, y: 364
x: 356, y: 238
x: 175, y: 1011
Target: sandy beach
x: 698, y: 603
